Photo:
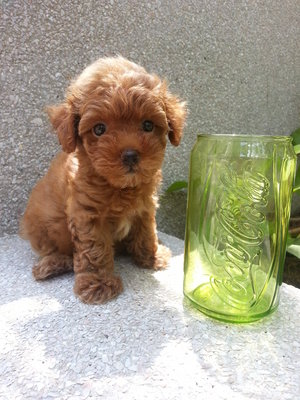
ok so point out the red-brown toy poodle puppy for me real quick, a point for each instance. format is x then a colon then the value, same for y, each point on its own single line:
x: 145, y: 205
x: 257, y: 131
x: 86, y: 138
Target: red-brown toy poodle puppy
x: 99, y: 194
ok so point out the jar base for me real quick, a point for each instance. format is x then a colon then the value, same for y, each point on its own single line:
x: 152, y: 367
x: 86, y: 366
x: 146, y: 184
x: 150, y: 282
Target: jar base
x: 211, y: 305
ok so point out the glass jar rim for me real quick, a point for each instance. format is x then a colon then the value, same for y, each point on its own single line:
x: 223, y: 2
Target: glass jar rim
x: 244, y: 136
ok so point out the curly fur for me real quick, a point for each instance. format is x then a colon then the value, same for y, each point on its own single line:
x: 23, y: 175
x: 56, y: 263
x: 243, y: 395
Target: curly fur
x: 89, y: 203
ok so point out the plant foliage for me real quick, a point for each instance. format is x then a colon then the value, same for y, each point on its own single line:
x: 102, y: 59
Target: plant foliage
x: 293, y: 243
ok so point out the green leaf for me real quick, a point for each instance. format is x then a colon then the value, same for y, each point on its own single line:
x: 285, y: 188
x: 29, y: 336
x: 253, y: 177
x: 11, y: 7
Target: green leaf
x: 297, y: 148
x: 296, y: 137
x: 294, y: 249
x: 297, y: 181
x: 293, y: 245
x: 178, y: 185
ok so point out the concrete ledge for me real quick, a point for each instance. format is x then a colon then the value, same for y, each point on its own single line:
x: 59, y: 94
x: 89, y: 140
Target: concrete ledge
x: 147, y: 344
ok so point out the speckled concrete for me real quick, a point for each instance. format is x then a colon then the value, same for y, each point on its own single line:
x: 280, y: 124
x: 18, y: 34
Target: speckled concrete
x: 146, y: 344
x: 237, y: 63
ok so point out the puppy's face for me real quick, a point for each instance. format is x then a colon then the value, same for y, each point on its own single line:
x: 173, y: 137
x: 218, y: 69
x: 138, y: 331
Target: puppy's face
x: 122, y: 116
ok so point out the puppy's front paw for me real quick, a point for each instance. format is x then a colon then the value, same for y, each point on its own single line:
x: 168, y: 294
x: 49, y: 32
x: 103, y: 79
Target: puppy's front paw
x: 157, y: 261
x: 162, y: 257
x: 93, y: 289
x: 52, y: 265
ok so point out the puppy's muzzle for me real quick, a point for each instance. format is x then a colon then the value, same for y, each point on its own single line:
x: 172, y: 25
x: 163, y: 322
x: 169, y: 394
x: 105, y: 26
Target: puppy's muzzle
x: 130, y: 158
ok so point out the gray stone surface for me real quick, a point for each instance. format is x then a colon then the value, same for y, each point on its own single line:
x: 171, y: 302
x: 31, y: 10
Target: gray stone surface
x: 146, y: 344
x: 236, y: 63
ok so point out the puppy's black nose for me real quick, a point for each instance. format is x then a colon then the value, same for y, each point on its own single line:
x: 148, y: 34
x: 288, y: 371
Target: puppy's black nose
x: 130, y: 157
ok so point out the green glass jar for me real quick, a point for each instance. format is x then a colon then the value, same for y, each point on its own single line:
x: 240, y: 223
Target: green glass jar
x: 238, y: 212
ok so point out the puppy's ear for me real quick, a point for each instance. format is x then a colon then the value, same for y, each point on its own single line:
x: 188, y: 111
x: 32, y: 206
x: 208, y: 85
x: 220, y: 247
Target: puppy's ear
x: 65, y: 123
x: 176, y: 114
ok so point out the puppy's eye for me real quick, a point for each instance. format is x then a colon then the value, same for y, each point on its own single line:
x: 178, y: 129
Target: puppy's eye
x: 99, y: 129
x: 148, y: 126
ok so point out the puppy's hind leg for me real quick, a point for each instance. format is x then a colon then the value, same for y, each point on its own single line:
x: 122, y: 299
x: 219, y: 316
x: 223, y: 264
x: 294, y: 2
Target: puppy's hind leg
x: 52, y: 265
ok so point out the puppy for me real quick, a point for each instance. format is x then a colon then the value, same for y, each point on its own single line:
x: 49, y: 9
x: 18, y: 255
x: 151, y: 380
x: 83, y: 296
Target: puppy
x: 99, y: 194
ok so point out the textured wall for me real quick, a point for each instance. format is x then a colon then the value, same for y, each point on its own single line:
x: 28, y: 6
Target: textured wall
x: 236, y: 62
